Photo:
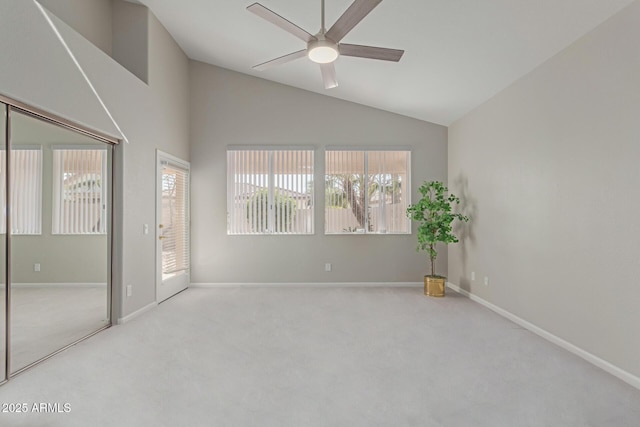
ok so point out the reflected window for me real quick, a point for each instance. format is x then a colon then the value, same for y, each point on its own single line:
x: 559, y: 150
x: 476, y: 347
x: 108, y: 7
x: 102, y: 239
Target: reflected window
x: 79, y: 191
x: 26, y: 194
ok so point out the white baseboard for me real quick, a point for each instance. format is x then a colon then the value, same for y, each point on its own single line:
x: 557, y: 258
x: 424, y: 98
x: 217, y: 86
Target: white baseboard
x: 136, y: 313
x: 595, y: 360
x: 58, y: 285
x: 309, y: 285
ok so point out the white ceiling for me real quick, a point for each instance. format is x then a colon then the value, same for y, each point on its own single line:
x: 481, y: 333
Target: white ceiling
x: 458, y: 53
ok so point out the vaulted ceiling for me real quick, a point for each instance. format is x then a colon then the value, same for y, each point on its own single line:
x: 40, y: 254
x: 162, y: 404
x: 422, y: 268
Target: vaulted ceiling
x: 458, y: 53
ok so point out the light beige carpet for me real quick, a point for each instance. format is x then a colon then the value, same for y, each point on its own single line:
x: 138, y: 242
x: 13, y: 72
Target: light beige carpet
x: 321, y: 357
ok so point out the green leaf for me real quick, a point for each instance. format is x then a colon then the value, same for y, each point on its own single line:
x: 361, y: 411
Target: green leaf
x: 433, y: 212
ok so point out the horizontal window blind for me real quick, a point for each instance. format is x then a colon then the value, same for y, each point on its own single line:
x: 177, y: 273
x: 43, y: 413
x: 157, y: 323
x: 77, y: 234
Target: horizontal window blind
x: 175, y: 233
x: 25, y: 195
x: 270, y: 191
x: 79, y: 191
x: 367, y: 191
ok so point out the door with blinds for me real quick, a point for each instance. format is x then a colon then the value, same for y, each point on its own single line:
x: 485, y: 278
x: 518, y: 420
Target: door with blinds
x: 173, y: 231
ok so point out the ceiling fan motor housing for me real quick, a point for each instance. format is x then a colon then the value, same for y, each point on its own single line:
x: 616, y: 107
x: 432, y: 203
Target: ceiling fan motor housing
x: 322, y: 50
x: 325, y: 50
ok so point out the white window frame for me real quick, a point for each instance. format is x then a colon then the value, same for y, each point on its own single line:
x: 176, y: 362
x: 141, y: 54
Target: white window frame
x: 271, y: 185
x: 406, y: 192
x: 58, y: 194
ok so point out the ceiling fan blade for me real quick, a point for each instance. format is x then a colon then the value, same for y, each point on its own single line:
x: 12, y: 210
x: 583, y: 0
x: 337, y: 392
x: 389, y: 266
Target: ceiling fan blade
x: 350, y: 18
x: 281, y: 22
x: 371, y: 52
x: 281, y: 60
x: 329, y: 75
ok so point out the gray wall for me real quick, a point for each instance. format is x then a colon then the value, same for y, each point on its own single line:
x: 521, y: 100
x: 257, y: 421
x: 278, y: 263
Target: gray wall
x: 117, y: 27
x: 91, y: 18
x: 36, y: 69
x: 131, y: 37
x: 229, y: 108
x: 549, y: 173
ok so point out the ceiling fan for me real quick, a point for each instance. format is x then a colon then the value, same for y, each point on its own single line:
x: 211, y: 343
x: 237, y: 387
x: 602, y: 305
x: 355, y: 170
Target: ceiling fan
x: 325, y: 47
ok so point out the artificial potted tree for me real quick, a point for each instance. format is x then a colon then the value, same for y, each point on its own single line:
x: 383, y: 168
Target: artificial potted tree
x: 434, y: 214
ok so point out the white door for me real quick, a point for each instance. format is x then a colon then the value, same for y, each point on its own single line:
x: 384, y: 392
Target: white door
x: 172, y: 226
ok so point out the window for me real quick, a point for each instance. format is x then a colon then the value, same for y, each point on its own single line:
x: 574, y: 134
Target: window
x: 175, y: 219
x: 270, y: 191
x: 367, y: 192
x: 26, y: 190
x: 79, y: 190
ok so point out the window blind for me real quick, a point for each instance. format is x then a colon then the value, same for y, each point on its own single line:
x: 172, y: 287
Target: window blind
x: 367, y: 191
x: 79, y: 191
x: 270, y: 191
x: 175, y: 220
x: 25, y: 195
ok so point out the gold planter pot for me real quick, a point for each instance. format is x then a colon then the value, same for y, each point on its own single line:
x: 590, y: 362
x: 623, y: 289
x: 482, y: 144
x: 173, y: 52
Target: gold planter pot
x: 434, y: 286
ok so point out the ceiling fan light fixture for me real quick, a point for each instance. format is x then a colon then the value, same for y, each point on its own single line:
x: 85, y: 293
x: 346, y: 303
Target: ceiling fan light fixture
x: 322, y: 51
x: 324, y: 47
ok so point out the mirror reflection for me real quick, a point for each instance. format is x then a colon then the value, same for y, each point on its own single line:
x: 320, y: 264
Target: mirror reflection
x: 3, y: 244
x: 59, y: 237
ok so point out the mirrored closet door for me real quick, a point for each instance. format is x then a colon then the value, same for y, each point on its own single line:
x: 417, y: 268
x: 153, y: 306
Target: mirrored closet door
x: 56, y: 237
x: 3, y: 242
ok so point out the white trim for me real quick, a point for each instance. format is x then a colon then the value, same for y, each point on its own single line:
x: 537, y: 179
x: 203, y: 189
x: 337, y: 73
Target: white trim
x: 310, y: 285
x: 172, y: 160
x: 363, y: 233
x: 101, y: 146
x: 368, y: 148
x: 59, y: 285
x: 15, y: 147
x: 271, y: 147
x: 625, y: 376
x: 177, y: 285
x: 136, y: 313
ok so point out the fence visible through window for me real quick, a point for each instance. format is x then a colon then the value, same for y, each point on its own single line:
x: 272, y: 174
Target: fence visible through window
x: 367, y: 192
x: 270, y: 191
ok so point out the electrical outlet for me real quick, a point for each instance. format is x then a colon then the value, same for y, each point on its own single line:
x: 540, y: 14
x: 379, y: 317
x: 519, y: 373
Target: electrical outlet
x: 36, y: 266
x: 327, y: 267
x: 145, y: 229
x: 129, y: 290
x: 473, y: 276
x: 486, y: 281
